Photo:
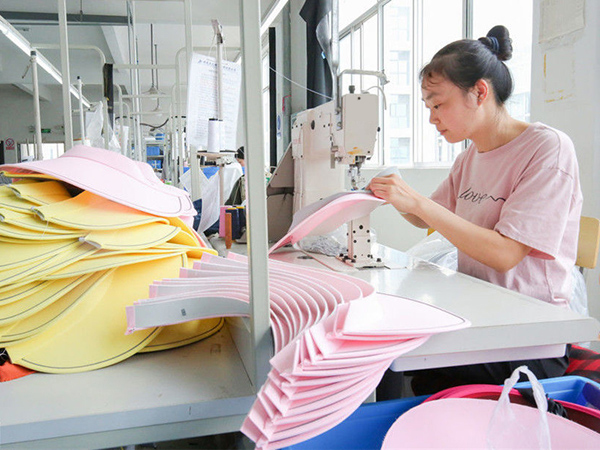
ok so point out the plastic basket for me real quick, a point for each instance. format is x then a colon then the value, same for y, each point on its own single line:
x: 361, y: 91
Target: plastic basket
x: 366, y: 428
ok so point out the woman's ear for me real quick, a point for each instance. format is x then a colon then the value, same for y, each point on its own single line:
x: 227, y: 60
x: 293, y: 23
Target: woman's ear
x: 481, y: 89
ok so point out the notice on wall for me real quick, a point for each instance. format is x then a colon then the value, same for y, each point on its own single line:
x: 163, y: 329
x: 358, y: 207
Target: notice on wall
x: 202, y: 101
x: 561, y: 17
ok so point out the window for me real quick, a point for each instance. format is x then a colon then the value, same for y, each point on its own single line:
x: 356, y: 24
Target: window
x: 442, y: 23
x: 398, y: 68
x: 350, y: 10
x: 49, y: 151
x: 488, y: 14
x: 399, y: 37
x: 266, y: 107
x: 399, y: 111
x: 399, y: 151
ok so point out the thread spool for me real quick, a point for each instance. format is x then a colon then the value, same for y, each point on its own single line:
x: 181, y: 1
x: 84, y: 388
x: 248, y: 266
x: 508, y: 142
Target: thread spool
x: 214, y: 135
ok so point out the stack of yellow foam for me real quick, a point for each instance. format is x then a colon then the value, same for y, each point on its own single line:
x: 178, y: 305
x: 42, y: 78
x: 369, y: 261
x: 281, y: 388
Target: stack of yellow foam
x: 68, y: 267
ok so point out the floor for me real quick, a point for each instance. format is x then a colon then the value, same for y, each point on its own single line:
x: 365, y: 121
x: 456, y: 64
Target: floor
x: 227, y: 441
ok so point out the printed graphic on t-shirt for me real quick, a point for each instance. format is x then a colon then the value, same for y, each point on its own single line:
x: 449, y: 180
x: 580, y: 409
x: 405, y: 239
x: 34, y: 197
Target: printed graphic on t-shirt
x: 478, y: 197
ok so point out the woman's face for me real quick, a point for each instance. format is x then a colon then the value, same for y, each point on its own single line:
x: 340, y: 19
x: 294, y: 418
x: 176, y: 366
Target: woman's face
x: 451, y: 109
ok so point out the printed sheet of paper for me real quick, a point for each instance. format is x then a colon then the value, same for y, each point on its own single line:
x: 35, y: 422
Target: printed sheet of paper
x: 202, y: 100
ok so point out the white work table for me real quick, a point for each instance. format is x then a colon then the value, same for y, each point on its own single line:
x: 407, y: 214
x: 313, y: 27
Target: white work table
x: 505, y: 325
x: 203, y: 388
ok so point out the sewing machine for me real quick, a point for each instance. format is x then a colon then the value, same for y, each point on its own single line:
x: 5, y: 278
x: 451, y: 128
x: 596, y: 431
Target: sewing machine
x: 329, y: 145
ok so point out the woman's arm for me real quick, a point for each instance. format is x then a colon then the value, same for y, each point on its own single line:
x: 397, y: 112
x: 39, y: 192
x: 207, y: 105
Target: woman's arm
x: 486, y: 246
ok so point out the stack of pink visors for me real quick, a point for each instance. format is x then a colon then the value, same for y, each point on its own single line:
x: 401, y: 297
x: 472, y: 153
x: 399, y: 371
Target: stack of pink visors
x: 334, y: 337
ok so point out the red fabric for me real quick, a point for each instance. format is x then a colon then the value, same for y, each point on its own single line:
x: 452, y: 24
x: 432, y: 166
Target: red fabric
x: 584, y: 362
x: 9, y: 371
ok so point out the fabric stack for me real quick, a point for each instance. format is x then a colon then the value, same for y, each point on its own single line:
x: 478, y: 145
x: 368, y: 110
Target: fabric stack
x: 334, y: 337
x: 75, y: 250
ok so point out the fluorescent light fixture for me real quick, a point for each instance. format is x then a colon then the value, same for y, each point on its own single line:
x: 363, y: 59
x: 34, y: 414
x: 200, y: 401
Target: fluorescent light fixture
x: 49, y: 68
x: 273, y: 13
x: 17, y: 38
x: 14, y: 36
x: 75, y: 93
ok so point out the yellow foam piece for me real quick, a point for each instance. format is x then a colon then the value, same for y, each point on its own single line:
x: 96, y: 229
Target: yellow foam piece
x: 14, y: 232
x: 89, y: 265
x: 9, y: 294
x: 181, y: 334
x: 9, y: 200
x: 91, y: 337
x: 39, y: 266
x: 25, y: 177
x: 158, y: 250
x: 192, y: 252
x: 178, y: 222
x: 31, y: 304
x: 30, y: 221
x: 37, y: 271
x: 133, y: 238
x: 41, y: 193
x: 15, y: 255
x: 88, y: 211
x: 33, y: 325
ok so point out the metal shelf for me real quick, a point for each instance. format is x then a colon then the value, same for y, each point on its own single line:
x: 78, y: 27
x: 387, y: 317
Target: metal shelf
x: 166, y: 395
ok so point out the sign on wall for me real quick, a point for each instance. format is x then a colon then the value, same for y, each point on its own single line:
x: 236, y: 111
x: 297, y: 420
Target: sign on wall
x: 9, y: 144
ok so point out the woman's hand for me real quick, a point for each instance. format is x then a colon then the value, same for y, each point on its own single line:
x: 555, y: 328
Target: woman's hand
x: 397, y: 192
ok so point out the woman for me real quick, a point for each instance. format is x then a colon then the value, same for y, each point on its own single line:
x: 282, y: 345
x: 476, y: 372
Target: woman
x: 512, y: 202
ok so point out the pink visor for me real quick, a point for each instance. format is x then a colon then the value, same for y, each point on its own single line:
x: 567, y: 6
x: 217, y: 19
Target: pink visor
x: 112, y: 176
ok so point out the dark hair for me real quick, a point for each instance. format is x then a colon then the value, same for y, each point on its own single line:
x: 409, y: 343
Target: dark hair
x: 240, y: 153
x: 466, y: 61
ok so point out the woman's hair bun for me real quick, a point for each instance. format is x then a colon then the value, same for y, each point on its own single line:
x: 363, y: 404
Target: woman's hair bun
x: 499, y: 42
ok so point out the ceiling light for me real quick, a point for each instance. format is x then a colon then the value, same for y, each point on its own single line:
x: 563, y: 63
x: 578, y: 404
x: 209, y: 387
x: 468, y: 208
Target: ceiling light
x: 17, y: 38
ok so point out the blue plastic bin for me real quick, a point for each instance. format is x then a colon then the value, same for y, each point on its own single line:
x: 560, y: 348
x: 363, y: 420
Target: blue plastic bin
x: 366, y: 428
x: 152, y: 150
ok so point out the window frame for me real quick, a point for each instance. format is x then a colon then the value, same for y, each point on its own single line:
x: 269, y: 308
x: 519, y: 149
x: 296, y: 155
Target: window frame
x: 416, y: 119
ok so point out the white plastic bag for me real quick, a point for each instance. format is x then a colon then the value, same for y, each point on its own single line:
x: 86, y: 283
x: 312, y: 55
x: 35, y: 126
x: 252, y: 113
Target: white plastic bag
x: 437, y: 249
x: 504, y: 424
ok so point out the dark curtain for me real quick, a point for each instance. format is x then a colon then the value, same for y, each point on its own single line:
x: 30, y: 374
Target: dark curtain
x: 107, y: 72
x: 318, y: 72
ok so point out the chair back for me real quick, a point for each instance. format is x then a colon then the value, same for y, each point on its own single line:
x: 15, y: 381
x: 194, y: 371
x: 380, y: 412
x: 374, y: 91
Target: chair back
x: 589, y: 242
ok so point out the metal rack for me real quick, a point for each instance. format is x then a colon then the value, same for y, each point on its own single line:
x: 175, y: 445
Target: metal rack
x: 204, y: 388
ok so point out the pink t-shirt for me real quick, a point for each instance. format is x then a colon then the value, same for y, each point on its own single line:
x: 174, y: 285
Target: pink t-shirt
x: 527, y: 190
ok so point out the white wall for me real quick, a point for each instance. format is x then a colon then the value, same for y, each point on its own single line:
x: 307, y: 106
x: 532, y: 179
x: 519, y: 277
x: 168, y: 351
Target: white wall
x: 16, y: 114
x: 392, y: 230
x: 566, y: 95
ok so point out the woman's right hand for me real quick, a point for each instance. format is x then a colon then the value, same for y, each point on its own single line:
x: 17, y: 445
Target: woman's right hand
x: 397, y: 192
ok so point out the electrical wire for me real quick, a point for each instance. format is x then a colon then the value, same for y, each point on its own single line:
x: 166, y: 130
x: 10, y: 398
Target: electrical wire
x: 300, y: 86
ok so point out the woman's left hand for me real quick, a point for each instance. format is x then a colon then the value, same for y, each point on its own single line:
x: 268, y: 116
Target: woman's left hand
x: 396, y: 191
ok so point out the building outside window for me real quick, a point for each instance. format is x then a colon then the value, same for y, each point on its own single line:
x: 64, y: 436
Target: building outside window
x: 399, y: 37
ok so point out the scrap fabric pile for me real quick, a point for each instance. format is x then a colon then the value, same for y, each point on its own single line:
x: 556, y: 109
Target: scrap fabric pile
x: 334, y: 337
x: 79, y: 240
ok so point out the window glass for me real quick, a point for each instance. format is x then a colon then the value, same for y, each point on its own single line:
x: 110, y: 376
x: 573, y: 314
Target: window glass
x: 345, y: 59
x: 397, y: 61
x: 266, y: 107
x: 350, y: 10
x: 442, y: 24
x: 370, y: 62
x: 399, y: 151
x: 487, y: 14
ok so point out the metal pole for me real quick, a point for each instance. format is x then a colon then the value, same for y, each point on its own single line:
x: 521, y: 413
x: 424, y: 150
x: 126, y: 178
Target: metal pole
x: 257, y: 203
x: 66, y: 83
x: 219, y: 36
x: 193, y: 155
x: 124, y: 149
x: 81, y: 112
x: 39, y: 154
